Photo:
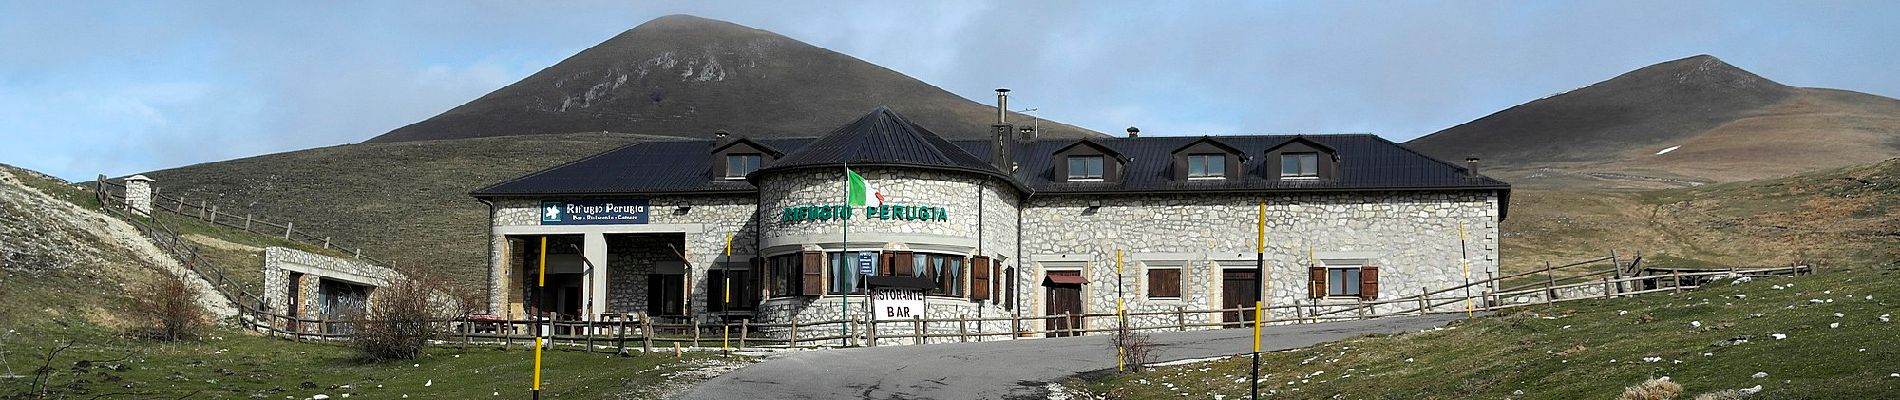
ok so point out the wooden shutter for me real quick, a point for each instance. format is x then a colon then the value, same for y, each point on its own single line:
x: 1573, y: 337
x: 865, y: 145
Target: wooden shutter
x: 1164, y: 282
x: 1316, y: 277
x: 813, y: 283
x: 886, y: 264
x: 903, y: 265
x: 980, y: 278
x: 1369, y: 282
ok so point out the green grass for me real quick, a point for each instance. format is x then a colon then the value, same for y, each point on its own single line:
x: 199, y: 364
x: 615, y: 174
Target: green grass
x: 1592, y: 349
x: 238, y: 365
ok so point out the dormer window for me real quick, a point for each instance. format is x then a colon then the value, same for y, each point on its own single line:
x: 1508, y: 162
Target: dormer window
x: 738, y: 165
x: 1299, y: 166
x: 1085, y: 168
x: 1205, y: 159
x: 1207, y: 166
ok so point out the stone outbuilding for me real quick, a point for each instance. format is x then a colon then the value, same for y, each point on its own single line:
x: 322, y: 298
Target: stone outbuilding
x: 759, y: 229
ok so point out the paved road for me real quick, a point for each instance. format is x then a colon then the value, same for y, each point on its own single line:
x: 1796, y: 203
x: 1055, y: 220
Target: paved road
x: 1011, y: 369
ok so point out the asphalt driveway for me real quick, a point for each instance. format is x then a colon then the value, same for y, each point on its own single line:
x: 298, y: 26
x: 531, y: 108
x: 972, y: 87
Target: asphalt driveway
x: 1010, y: 369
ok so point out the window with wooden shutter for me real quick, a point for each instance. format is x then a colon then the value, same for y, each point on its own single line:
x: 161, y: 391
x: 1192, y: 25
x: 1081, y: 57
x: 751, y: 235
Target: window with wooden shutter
x: 813, y: 282
x: 1009, y: 288
x: 1369, y: 282
x: 885, y: 264
x: 1164, y: 282
x: 980, y: 278
x: 1316, y: 279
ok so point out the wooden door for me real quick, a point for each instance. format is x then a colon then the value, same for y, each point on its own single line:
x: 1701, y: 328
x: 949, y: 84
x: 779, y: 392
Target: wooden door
x: 1240, y: 288
x: 1063, y: 299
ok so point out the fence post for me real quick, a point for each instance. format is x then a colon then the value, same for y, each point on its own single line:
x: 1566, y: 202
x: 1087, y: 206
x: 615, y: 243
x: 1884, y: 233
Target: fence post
x: 202, y: 208
x: 1015, y: 326
x: 588, y: 330
x: 247, y: 221
x: 963, y: 331
x: 646, y: 333
x: 870, y: 331
x: 1421, y: 300
x: 1675, y: 277
x: 287, y: 226
x: 745, y: 328
x: 917, y: 330
x: 620, y: 335
x: 214, y: 215
x: 792, y: 340
x: 695, y: 331
x: 1180, y: 317
x: 326, y: 242
x: 180, y: 207
x: 1606, y: 287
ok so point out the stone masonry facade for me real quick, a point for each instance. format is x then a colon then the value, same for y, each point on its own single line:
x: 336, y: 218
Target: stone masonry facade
x: 1413, y: 236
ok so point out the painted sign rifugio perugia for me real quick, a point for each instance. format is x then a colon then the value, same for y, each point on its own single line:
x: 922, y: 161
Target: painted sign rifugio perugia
x: 594, y: 212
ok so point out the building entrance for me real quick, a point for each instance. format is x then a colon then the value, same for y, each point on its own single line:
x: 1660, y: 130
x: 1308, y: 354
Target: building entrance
x: 1240, y: 288
x: 1063, y: 291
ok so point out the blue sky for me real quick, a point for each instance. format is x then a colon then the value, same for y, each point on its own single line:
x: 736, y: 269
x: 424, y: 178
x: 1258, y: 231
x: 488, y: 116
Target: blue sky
x: 118, y: 88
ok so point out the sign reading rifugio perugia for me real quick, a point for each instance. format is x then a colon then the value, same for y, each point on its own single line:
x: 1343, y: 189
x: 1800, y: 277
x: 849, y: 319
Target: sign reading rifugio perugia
x: 592, y: 212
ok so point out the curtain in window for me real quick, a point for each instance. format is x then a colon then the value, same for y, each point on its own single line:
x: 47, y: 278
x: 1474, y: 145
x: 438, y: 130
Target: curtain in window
x: 920, y: 265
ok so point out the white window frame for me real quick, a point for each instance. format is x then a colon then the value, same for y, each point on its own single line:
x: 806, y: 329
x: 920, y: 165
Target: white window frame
x: 732, y: 175
x: 1218, y: 174
x: 1298, y: 175
x: 1101, y: 168
x: 1343, y: 264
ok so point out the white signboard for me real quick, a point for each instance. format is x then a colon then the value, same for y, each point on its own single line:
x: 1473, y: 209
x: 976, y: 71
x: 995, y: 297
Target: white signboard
x: 891, y: 304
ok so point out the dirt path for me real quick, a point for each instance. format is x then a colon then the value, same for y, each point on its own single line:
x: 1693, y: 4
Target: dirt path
x: 112, y: 231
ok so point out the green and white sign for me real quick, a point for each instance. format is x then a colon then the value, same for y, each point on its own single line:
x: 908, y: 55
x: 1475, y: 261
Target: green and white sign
x: 833, y: 212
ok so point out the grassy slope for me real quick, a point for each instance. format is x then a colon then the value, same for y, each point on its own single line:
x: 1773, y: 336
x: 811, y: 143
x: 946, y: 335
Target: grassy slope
x: 1843, y: 216
x: 87, y: 304
x: 1592, y: 349
x: 403, y: 202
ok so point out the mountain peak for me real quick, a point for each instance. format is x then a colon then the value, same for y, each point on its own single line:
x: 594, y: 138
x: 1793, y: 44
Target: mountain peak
x: 1700, y: 70
x: 687, y: 76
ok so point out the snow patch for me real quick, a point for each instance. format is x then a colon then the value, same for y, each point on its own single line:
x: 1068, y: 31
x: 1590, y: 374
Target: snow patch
x: 1666, y: 151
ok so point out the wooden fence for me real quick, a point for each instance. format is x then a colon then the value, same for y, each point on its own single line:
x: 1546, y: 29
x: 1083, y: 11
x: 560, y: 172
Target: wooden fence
x: 113, y: 194
x: 641, y: 333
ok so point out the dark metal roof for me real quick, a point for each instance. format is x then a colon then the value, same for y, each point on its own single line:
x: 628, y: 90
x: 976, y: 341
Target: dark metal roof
x: 661, y: 167
x: 884, y: 138
x: 1366, y: 162
x: 881, y: 138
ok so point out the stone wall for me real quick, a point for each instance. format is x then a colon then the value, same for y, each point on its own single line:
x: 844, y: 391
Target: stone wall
x: 1412, y: 236
x: 281, y: 262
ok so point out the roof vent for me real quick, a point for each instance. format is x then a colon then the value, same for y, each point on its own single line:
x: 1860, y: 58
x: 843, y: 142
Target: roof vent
x: 1134, y: 132
x: 720, y: 137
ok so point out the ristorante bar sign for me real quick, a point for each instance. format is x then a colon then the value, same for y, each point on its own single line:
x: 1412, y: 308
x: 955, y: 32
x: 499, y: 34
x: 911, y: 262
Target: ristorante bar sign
x: 883, y: 212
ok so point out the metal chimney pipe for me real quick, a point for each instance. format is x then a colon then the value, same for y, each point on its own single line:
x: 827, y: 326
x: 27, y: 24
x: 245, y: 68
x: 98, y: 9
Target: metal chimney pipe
x: 1134, y: 132
x: 1002, y: 106
x: 1471, y: 166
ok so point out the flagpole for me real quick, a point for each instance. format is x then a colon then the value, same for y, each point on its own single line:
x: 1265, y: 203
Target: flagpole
x: 844, y: 305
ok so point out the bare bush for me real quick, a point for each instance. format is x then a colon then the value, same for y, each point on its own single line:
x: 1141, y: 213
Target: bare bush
x: 1136, y: 349
x: 1653, y: 389
x: 169, y: 307
x: 401, y: 319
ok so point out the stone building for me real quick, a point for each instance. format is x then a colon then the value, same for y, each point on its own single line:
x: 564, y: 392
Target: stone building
x: 737, y: 228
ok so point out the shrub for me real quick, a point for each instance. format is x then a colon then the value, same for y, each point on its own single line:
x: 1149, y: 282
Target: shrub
x: 400, y: 321
x: 1653, y: 389
x: 169, y: 307
x: 1136, y: 349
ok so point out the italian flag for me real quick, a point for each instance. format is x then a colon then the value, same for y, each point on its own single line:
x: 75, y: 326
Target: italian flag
x: 858, y: 192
